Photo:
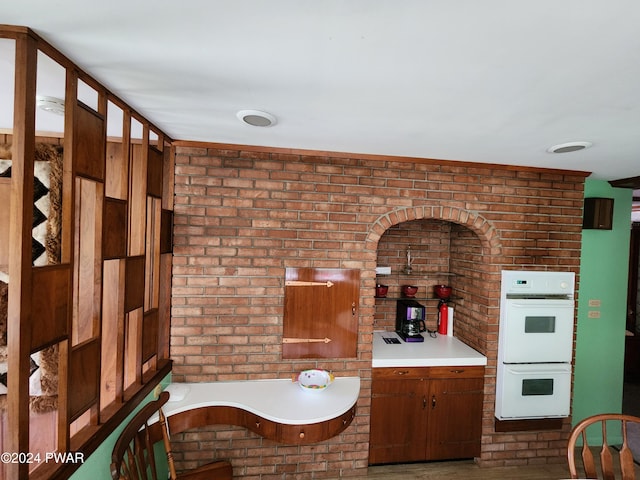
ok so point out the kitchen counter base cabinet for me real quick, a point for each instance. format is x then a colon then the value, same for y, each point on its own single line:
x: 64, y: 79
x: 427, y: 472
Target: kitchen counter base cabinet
x: 425, y: 413
x: 397, y: 416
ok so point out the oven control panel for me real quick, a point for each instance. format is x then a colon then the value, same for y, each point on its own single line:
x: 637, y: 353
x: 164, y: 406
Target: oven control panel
x: 536, y: 282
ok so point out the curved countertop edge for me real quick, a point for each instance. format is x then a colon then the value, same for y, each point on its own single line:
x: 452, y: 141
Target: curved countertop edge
x: 278, y: 400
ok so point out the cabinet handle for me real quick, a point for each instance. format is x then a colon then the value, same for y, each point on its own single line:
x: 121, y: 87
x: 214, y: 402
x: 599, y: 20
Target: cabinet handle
x: 457, y: 371
x: 424, y: 402
x: 301, y: 434
x: 257, y: 424
x: 433, y: 402
x: 401, y: 372
x: 353, y: 309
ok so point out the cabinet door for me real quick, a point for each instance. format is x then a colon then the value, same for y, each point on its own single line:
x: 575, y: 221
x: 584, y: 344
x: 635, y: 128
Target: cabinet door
x: 455, y: 418
x: 321, y: 313
x: 398, y: 421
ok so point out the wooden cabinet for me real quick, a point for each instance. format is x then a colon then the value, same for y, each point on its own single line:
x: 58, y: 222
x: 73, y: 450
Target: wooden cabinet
x: 455, y: 416
x: 425, y: 413
x: 398, y: 407
x: 321, y: 313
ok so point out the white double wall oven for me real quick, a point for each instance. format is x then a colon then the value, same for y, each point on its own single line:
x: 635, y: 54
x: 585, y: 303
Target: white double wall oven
x: 535, y: 345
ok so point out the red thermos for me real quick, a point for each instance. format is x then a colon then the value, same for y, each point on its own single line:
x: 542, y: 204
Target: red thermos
x: 443, y: 318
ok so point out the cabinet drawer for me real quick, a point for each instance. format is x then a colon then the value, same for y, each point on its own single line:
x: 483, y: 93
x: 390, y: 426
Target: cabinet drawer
x: 339, y: 424
x: 314, y: 432
x: 389, y: 373
x: 261, y: 426
x: 456, y: 372
x: 299, y: 434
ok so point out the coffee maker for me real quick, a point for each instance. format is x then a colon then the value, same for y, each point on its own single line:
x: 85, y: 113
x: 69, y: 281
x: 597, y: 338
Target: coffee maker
x: 410, y: 323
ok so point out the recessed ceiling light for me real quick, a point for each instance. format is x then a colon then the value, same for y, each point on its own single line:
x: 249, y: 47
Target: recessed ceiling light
x: 569, y: 147
x: 50, y: 104
x: 257, y: 118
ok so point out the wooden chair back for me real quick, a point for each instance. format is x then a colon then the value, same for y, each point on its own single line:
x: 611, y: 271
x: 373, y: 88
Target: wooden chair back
x: 626, y: 467
x: 133, y: 456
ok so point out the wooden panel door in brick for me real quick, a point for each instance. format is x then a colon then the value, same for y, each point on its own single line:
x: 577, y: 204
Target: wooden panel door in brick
x: 320, y: 313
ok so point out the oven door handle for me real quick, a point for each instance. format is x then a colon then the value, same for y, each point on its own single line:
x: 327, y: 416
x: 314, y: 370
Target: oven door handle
x: 514, y: 370
x: 540, y: 303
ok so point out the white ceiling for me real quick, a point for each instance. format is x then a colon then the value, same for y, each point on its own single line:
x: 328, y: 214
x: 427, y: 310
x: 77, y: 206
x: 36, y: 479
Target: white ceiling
x: 496, y: 81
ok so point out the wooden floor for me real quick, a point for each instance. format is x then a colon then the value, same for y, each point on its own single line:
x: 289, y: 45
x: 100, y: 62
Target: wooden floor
x: 463, y: 470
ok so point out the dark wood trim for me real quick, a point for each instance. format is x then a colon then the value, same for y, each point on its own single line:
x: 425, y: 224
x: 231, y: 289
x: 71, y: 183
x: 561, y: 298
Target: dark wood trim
x: 528, y: 425
x: 20, y: 270
x: 631, y: 182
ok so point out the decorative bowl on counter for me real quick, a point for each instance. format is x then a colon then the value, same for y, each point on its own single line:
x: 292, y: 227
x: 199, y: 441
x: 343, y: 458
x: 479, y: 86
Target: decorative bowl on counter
x: 315, y: 380
x: 442, y: 291
x: 409, y: 291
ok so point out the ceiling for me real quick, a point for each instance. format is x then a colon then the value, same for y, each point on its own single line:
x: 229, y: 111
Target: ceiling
x: 495, y: 81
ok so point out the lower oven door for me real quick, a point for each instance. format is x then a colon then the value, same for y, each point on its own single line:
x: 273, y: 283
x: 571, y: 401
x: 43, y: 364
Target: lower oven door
x: 533, y: 391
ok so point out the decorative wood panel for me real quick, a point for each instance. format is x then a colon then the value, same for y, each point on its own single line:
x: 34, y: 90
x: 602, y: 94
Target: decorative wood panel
x: 88, y: 260
x: 5, y: 201
x: 114, y: 236
x: 152, y: 253
x: 112, y: 366
x: 166, y: 231
x: 320, y: 313
x: 133, y: 348
x: 84, y: 369
x: 89, y: 142
x: 50, y: 305
x: 164, y: 311
x: 134, y: 283
x: 149, y: 335
x: 62, y: 303
x: 117, y: 171
x: 154, y: 172
x: 137, y: 200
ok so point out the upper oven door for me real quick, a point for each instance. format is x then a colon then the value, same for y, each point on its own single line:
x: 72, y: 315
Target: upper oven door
x: 537, y: 330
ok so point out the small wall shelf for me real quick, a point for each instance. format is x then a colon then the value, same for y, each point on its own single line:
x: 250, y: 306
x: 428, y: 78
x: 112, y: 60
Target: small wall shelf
x: 419, y: 274
x: 419, y: 299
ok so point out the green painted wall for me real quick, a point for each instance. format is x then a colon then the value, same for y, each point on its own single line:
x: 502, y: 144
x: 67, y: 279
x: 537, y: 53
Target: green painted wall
x: 97, y: 465
x: 599, y: 362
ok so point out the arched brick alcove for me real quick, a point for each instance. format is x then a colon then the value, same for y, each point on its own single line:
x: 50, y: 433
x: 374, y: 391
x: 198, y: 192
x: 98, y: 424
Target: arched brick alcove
x: 478, y: 280
x: 476, y: 249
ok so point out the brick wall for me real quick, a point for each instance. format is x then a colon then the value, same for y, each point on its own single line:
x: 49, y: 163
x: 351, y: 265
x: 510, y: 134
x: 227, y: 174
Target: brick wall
x: 245, y: 214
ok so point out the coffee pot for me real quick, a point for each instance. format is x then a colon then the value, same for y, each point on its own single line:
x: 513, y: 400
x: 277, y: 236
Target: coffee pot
x: 413, y: 327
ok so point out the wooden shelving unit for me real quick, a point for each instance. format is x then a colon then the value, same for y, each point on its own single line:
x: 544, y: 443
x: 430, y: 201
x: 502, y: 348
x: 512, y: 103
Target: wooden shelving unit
x: 103, y: 302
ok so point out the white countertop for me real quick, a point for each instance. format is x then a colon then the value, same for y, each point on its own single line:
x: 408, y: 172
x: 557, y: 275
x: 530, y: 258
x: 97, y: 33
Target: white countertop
x: 442, y: 351
x: 278, y: 400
